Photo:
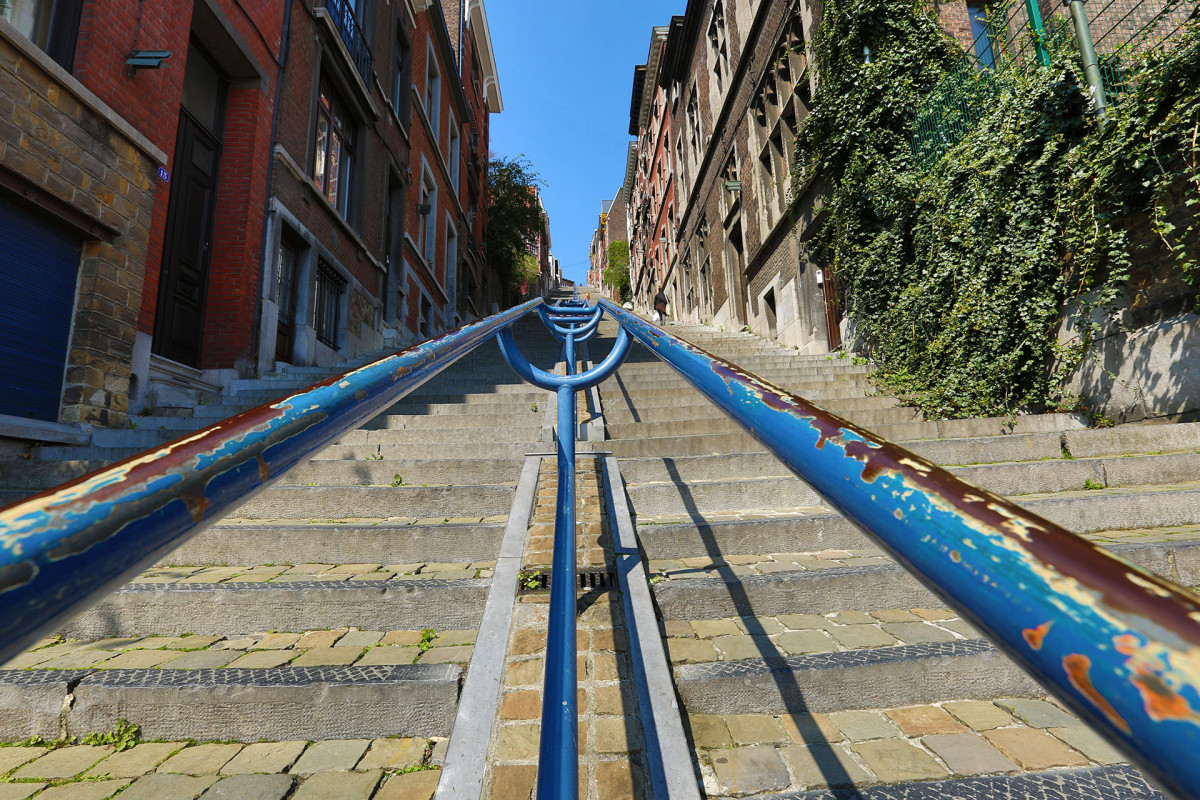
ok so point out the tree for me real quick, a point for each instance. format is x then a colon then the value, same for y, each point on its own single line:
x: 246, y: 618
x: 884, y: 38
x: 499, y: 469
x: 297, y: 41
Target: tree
x: 616, y: 274
x: 514, y: 219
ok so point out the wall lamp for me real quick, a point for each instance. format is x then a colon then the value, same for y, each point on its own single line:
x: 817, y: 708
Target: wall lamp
x: 733, y: 186
x: 424, y: 208
x: 145, y: 59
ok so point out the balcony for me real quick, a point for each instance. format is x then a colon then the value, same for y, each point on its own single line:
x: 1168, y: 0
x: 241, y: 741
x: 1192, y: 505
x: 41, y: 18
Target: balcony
x: 341, y: 14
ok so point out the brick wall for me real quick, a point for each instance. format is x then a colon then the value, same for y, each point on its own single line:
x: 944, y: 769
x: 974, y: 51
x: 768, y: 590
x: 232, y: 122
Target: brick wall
x: 61, y: 138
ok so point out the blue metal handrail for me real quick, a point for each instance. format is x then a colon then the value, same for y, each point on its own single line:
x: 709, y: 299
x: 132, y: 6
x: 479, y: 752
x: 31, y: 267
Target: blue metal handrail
x: 64, y: 549
x: 1120, y: 645
x: 558, y: 765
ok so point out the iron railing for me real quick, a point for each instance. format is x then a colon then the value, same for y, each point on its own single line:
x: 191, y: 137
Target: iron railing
x: 1115, y: 642
x: 64, y: 549
x: 344, y: 19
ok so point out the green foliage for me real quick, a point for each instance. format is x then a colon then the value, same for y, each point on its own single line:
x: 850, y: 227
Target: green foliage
x: 616, y: 274
x: 427, y: 637
x: 124, y: 736
x: 514, y: 219
x: 957, y: 277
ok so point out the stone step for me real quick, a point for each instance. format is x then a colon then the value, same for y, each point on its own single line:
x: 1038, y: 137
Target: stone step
x: 254, y: 543
x: 821, y: 584
x: 666, y: 382
x: 759, y: 365
x: 695, y: 416
x: 673, y: 486
x: 239, y: 704
x: 659, y: 408
x: 466, y: 424
x: 772, y: 530
x: 401, y: 451
x: 527, y: 431
x: 352, y: 502
x: 401, y: 472
x: 172, y: 609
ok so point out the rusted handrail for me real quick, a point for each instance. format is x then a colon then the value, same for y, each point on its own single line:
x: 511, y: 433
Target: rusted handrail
x: 66, y: 548
x: 1118, y: 644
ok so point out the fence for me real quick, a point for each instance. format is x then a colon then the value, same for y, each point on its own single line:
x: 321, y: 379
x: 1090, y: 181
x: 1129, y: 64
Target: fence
x: 1022, y: 36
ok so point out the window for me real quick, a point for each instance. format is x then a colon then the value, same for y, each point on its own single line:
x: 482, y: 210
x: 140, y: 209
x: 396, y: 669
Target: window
x: 427, y: 207
x: 453, y: 154
x: 52, y: 25
x: 425, y: 323
x: 983, y: 34
x: 400, y: 79
x: 334, y: 153
x: 451, y: 261
x: 285, y: 278
x: 433, y: 91
x: 327, y: 310
x: 718, y: 46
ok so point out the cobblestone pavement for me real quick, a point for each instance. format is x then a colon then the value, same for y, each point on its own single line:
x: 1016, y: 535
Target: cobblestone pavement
x: 609, y: 729
x: 339, y: 647
x: 357, y: 769
x: 750, y: 753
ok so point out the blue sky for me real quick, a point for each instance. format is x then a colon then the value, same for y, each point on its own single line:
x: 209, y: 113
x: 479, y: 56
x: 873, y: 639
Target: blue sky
x: 566, y: 74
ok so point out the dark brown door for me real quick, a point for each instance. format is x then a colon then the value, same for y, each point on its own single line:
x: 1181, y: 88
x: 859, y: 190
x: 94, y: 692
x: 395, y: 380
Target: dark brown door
x: 285, y: 277
x: 183, y: 284
x: 833, y: 310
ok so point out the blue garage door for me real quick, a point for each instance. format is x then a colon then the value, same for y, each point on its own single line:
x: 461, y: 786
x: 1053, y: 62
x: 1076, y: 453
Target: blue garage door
x: 39, y: 265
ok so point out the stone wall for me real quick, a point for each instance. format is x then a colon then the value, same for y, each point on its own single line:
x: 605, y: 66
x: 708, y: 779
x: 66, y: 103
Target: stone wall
x: 88, y: 167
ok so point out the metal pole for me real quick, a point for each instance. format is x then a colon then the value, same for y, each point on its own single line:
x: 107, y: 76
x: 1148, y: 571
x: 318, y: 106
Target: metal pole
x: 1039, y: 31
x: 1087, y: 51
x: 558, y: 767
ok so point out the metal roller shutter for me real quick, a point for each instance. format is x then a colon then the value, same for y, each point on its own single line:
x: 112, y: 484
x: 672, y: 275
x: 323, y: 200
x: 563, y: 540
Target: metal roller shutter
x: 39, y: 267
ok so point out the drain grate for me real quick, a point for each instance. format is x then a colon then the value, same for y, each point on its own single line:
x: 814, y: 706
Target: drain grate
x: 534, y: 581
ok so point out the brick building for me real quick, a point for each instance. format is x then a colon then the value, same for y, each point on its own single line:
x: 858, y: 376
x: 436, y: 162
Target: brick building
x: 229, y: 185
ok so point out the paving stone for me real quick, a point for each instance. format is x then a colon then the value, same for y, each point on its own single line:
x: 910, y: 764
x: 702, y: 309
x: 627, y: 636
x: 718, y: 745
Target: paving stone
x: 760, y: 625
x: 327, y: 657
x: 522, y: 704
x: 979, y: 715
x: 454, y: 638
x: 89, y: 790
x: 750, y: 769
x: 801, y: 642
x: 609, y: 639
x: 754, y: 729
x: 675, y: 627
x: 202, y: 659
x: 141, y: 659
x: 606, y: 667
x: 113, y: 645
x: 934, y: 614
x: 64, y: 763
x: 917, y: 632
x: 320, y: 638
x: 264, y: 659
x: 1039, y: 713
x: 609, y: 700
x: 961, y: 627
x: 168, y: 787
x: 852, y: 618
x: 13, y: 757
x: 401, y: 638
x: 79, y: 659
x: 735, y: 648
x: 204, y: 759
x: 414, y: 785
x: 136, y: 761
x: 612, y: 735
x: 894, y: 615
x: 360, y: 639
x: 1034, y: 749
x: 338, y: 785
x: 527, y: 642
x: 394, y: 754
x: 389, y: 656
x: 810, y: 728
x: 19, y: 791
x: 857, y: 636
x: 279, y: 641
x: 925, y: 720
x: 447, y: 655
x: 772, y: 567
x: 618, y: 780
x: 250, y: 787
x: 817, y: 766
x: 1090, y: 743
x: 706, y: 629
x: 517, y: 742
x: 525, y: 673
x: 238, y: 643
x: 264, y: 757
x: 690, y: 651
x: 709, y: 731
x: 341, y: 754
x: 968, y: 754
x: 893, y: 761
x: 861, y: 725
x: 804, y: 622
x: 513, y: 782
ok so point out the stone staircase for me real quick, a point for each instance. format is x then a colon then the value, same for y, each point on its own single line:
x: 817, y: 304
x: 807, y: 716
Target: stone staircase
x: 805, y: 658
x: 316, y: 643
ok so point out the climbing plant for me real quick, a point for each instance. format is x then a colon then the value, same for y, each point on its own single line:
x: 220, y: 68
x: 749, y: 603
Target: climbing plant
x: 616, y: 274
x: 958, y: 276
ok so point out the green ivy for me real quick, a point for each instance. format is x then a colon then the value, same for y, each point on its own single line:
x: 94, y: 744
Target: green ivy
x: 958, y: 276
x: 616, y: 274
